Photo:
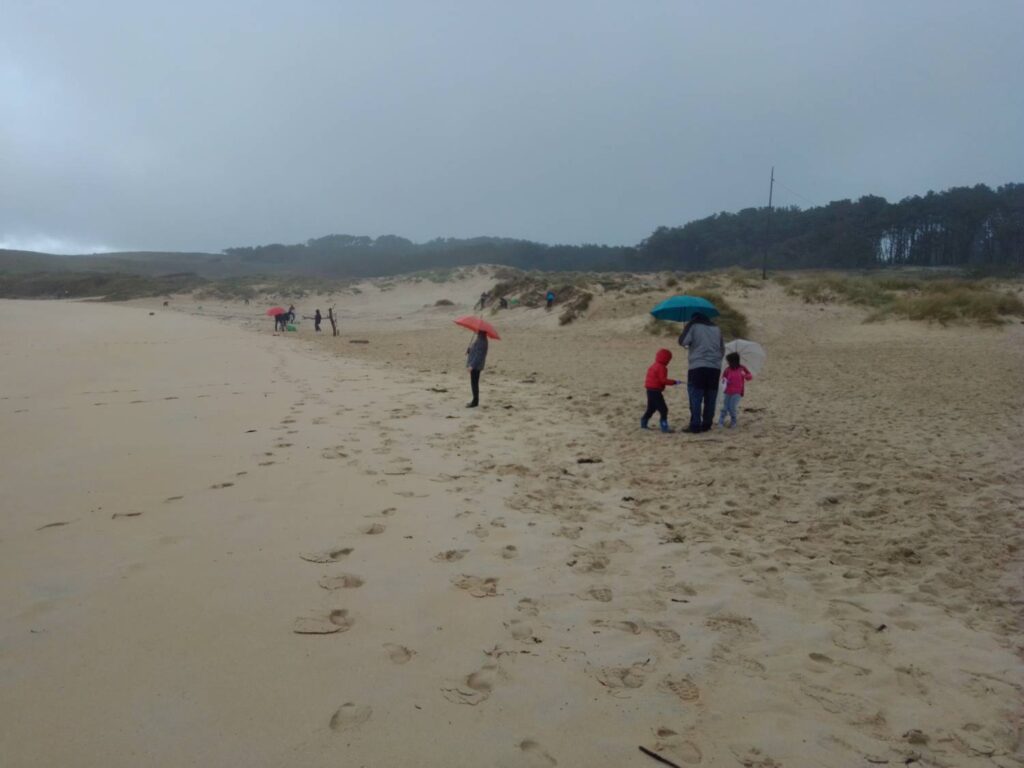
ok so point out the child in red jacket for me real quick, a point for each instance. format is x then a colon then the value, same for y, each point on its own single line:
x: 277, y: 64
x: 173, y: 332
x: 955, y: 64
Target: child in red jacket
x: 656, y: 381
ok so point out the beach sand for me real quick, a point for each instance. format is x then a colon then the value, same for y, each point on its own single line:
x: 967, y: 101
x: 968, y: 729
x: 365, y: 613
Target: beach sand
x: 220, y: 546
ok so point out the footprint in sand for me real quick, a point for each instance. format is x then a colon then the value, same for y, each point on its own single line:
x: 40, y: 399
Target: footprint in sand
x: 522, y: 631
x: 851, y: 635
x: 618, y: 679
x: 673, y: 746
x: 665, y: 634
x: 349, y: 716
x: 477, y: 586
x: 221, y: 485
x: 327, y: 624
x: 821, y: 658
x: 475, y: 688
x: 589, y: 562
x: 529, y: 754
x: 629, y: 627
x: 737, y: 627
x: 173, y: 498
x: 601, y: 594
x: 683, y: 687
x: 341, y: 581
x: 509, y: 551
x: 327, y: 556
x: 124, y: 514
x: 373, y: 530
x: 752, y: 757
x: 528, y: 606
x: 569, y: 532
x: 449, y: 555
x: 399, y: 654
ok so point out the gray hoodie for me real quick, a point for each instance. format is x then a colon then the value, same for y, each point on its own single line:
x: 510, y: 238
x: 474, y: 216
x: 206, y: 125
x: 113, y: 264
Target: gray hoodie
x: 476, y: 355
x: 704, y: 343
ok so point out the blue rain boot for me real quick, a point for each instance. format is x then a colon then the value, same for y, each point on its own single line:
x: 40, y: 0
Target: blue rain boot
x: 665, y: 427
x: 643, y: 423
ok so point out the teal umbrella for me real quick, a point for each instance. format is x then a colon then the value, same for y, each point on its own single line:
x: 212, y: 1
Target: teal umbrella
x: 683, y: 308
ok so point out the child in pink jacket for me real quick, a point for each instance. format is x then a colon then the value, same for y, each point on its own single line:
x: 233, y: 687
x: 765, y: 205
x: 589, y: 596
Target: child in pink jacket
x: 734, y: 376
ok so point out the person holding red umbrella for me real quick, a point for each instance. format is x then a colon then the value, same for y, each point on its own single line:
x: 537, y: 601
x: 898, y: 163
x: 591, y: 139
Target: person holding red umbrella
x: 476, y: 354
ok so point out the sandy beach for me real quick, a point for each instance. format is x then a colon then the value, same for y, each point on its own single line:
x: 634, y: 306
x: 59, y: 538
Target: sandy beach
x: 221, y: 546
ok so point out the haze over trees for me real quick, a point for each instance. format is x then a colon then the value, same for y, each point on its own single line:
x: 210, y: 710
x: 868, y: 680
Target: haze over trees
x: 961, y: 227
x: 966, y: 227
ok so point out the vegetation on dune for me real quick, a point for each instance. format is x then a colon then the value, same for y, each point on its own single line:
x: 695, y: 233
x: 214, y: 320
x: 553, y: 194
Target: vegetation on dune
x: 575, y: 306
x: 954, y: 302
x: 931, y: 298
x: 77, y: 285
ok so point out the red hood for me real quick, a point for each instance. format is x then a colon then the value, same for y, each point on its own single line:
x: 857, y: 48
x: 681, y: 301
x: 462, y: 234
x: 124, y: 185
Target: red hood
x: 664, y: 357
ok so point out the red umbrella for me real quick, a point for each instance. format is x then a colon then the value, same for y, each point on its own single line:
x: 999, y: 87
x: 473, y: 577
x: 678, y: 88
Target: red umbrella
x: 476, y: 324
x: 275, y: 311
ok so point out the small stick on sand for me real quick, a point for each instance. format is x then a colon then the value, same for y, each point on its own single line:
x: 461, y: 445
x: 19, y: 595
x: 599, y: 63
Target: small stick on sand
x: 658, y: 757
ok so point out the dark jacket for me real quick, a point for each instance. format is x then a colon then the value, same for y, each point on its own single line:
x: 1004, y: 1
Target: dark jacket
x: 476, y: 355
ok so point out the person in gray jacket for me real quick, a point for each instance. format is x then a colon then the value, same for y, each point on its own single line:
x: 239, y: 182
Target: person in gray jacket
x: 476, y: 356
x: 703, y: 341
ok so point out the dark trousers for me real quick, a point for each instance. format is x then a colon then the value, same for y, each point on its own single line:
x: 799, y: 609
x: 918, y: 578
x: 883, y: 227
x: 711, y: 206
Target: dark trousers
x: 474, y: 383
x: 702, y: 387
x: 656, y: 402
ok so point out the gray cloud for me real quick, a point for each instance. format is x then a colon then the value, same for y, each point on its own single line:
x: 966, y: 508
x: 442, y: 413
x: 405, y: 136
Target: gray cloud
x: 203, y: 125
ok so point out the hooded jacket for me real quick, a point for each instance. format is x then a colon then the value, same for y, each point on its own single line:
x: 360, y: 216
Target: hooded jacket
x: 657, y: 374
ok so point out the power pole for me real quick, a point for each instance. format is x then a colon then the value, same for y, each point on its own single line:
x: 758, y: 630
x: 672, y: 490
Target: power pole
x: 767, y: 227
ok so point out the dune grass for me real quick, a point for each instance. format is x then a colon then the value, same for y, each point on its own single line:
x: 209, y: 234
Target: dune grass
x: 940, y: 299
x: 947, y: 302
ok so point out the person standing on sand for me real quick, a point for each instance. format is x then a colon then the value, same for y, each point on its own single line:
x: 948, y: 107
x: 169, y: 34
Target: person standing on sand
x: 316, y: 321
x: 550, y: 299
x: 655, y: 382
x: 476, y: 356
x: 735, y: 376
x: 703, y: 341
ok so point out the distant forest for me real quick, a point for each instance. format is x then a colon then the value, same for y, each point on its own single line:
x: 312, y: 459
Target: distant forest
x: 966, y: 227
x: 974, y: 228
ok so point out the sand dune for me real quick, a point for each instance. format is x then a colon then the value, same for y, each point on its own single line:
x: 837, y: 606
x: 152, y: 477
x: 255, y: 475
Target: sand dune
x: 225, y: 547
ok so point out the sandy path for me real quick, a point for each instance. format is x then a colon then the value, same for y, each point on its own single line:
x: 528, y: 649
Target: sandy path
x: 819, y: 590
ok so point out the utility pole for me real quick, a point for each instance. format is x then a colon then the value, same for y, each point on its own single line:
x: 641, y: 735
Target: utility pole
x: 767, y: 227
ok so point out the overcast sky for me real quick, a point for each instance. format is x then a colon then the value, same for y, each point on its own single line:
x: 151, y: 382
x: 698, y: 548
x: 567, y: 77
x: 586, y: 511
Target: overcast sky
x: 202, y: 125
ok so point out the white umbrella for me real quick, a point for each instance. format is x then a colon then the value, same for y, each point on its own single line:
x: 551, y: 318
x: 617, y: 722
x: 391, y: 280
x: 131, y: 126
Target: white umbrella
x: 752, y: 354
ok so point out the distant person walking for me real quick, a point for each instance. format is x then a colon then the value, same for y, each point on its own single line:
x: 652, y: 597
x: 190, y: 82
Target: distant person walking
x: 550, y: 298
x: 476, y: 357
x: 316, y: 321
x: 734, y: 376
x: 484, y: 297
x: 703, y: 340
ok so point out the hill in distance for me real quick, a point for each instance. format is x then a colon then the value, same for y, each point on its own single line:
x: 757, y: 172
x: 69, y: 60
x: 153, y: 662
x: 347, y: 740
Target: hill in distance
x: 966, y: 227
